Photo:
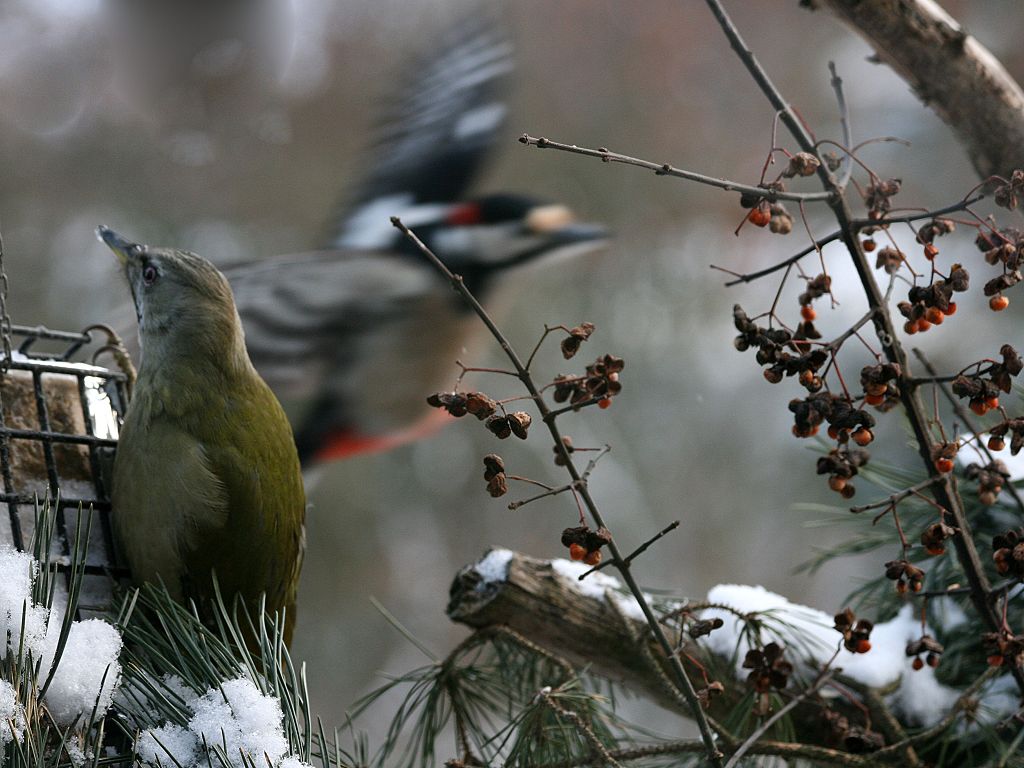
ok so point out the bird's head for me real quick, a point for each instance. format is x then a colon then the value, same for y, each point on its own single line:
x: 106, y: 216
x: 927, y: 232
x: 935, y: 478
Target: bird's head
x: 504, y: 230
x: 181, y: 300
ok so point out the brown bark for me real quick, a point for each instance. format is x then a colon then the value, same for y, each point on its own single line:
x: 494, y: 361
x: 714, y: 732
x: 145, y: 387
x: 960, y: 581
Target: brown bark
x: 950, y: 71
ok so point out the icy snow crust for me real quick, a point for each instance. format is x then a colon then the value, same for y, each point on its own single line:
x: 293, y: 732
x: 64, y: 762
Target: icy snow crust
x: 236, y: 717
x: 89, y: 670
x: 811, y: 638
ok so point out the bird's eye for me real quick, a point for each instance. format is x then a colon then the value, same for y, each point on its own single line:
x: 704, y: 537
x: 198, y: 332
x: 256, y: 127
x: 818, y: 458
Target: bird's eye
x: 149, y: 274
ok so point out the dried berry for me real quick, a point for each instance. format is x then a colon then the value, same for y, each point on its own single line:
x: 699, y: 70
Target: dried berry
x: 856, y: 632
x: 579, y: 334
x: 769, y: 669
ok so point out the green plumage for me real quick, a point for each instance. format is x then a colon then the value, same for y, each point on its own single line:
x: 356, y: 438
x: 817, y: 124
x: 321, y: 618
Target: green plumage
x: 206, y: 477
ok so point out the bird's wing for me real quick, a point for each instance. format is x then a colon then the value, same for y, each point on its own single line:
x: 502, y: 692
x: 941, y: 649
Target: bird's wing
x: 260, y: 543
x: 435, y: 137
x: 305, y: 314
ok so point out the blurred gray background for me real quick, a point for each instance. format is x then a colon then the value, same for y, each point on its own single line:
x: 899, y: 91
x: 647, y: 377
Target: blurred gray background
x: 233, y: 128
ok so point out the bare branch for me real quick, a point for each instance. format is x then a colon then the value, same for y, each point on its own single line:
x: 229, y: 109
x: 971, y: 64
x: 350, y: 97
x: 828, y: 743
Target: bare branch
x: 664, y: 169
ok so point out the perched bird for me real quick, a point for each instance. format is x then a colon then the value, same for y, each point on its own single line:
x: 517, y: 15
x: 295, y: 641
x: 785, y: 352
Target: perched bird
x: 206, y: 478
x: 353, y: 337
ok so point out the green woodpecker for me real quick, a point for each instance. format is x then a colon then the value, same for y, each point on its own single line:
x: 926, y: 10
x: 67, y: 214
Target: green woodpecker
x: 206, y: 476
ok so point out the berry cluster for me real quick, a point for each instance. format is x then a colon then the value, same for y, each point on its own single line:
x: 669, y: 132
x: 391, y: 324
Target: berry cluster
x: 856, y: 632
x: 1008, y: 195
x: 585, y: 544
x: 766, y: 214
x: 706, y: 695
x: 511, y: 424
x: 927, y: 234
x: 801, y: 164
x: 772, y: 343
x: 983, y: 393
x: 600, y: 383
x: 854, y: 739
x: 1015, y: 427
x: 768, y: 669
x: 845, y: 421
x: 1003, y: 247
x: 458, y: 404
x: 878, y: 197
x: 943, y: 455
x: 702, y: 627
x: 880, y: 385
x: 1004, y: 648
x: 494, y: 474
x: 840, y: 464
x: 932, y: 304
x: 577, y: 335
x: 991, y: 478
x: 933, y: 538
x: 905, y: 575
x: 1008, y: 553
x: 927, y: 645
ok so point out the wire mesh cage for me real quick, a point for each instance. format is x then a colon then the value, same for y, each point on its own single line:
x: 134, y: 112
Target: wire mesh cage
x: 59, y: 423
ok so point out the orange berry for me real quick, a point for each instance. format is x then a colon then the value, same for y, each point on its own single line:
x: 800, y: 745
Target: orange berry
x: 604, y: 402
x: 979, y: 407
x: 863, y: 645
x: 951, y: 309
x: 935, y: 550
x: 593, y: 558
x: 759, y: 216
x: 923, y: 325
x: 874, y: 399
x: 995, y: 660
x: 944, y: 465
x: 577, y: 551
x: 934, y: 316
x: 807, y: 313
x: 996, y: 443
x: 992, y: 402
x: 910, y: 327
x: 863, y: 436
x: 917, y: 663
x: 930, y: 251
x: 916, y: 586
x: 837, y: 483
x: 848, y: 491
x: 901, y: 587
x: 869, y: 245
x: 833, y: 432
x: 998, y: 303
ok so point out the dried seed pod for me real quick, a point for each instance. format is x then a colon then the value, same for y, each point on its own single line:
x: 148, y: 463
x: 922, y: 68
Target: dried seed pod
x: 499, y: 425
x: 519, y: 422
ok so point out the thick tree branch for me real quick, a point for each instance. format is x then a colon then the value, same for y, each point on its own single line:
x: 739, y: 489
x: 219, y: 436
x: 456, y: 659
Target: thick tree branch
x: 950, y: 71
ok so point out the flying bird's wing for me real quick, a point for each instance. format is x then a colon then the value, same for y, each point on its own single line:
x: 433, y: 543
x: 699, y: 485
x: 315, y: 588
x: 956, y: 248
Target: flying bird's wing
x: 340, y: 336
x: 433, y: 140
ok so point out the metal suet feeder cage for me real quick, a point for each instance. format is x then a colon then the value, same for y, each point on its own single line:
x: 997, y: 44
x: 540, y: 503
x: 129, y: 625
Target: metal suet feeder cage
x: 59, y: 422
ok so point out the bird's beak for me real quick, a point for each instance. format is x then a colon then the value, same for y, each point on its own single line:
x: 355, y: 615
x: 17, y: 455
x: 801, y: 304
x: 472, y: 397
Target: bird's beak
x: 580, y: 233
x: 126, y: 251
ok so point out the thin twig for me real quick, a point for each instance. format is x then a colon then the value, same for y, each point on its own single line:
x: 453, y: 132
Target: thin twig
x: 580, y: 486
x: 664, y: 169
x: 844, y: 122
x: 638, y: 551
x: 906, y: 218
x: 895, y: 498
x: 763, y: 728
x: 814, y: 247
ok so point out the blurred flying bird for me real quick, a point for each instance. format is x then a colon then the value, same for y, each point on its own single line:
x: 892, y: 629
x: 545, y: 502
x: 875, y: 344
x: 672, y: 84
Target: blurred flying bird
x: 206, y: 478
x: 353, y: 337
